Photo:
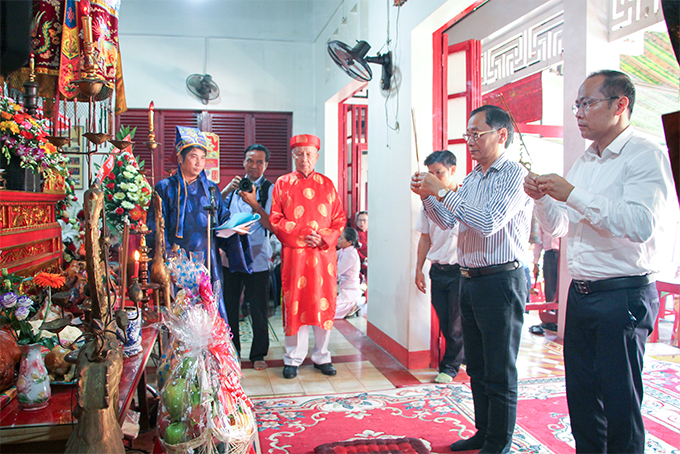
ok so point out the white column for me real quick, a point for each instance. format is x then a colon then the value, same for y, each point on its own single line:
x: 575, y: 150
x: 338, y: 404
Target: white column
x: 585, y: 50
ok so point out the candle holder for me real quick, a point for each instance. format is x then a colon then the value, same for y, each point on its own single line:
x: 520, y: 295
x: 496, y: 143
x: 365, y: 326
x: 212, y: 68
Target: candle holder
x: 135, y: 291
x: 31, y: 90
x: 90, y: 83
x: 143, y: 230
x: 121, y: 144
x: 58, y: 141
x: 97, y: 138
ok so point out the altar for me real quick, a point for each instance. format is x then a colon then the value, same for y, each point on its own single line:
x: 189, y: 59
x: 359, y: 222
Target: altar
x: 56, y: 422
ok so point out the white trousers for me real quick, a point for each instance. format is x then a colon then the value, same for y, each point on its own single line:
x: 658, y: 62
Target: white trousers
x: 296, y: 346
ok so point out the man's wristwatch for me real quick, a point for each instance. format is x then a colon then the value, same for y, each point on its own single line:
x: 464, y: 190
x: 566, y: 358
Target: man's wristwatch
x: 442, y: 193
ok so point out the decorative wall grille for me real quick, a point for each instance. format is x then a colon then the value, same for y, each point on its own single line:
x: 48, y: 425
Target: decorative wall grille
x: 521, y: 52
x: 629, y: 16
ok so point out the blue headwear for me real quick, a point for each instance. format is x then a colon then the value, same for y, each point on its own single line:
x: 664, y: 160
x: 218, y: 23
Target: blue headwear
x: 186, y: 138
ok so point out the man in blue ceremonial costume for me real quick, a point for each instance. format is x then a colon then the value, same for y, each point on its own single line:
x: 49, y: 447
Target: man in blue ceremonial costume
x: 185, y: 196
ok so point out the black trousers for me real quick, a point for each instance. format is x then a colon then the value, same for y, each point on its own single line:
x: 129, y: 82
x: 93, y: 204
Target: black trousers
x: 604, y: 343
x: 492, y: 309
x: 445, y: 292
x: 257, y: 295
x: 551, y: 260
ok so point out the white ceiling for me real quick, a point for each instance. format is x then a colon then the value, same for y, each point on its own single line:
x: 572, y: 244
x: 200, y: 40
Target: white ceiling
x: 270, y: 20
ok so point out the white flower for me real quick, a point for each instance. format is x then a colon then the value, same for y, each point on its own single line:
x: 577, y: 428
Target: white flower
x: 21, y: 313
x: 123, y: 186
x: 119, y: 196
x: 127, y: 205
x: 131, y: 187
x: 128, y: 175
x: 130, y: 168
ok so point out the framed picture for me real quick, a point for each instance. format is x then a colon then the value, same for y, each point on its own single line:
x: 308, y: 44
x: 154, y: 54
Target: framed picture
x: 75, y: 161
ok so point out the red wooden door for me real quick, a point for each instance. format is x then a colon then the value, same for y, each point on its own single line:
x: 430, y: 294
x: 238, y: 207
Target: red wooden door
x: 457, y: 92
x: 353, y: 145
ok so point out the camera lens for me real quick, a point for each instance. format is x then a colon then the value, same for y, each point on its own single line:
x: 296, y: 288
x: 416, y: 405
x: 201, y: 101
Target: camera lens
x: 245, y: 185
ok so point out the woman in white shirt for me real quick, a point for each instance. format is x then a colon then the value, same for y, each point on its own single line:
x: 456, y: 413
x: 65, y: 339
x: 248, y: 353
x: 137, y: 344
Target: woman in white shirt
x: 349, y: 291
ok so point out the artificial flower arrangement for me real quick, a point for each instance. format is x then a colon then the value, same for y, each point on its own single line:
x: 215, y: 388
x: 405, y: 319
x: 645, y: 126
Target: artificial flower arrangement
x: 127, y: 193
x: 16, y: 308
x: 23, y: 136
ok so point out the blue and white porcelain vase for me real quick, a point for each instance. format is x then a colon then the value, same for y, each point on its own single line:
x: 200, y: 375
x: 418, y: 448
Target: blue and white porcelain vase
x: 133, y: 332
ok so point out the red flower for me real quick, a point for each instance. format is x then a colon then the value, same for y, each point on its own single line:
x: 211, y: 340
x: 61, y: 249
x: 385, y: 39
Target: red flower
x: 26, y: 134
x: 75, y: 198
x: 146, y: 190
x: 137, y: 213
x: 72, y: 247
x: 111, y: 176
x: 109, y: 197
x: 19, y: 117
x: 119, y: 163
x: 119, y: 211
x: 44, y: 279
x: 111, y: 186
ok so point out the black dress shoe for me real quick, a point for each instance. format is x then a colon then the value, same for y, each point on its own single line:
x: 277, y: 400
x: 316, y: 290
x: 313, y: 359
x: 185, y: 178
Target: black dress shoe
x: 290, y: 371
x: 326, y: 369
x: 472, y: 443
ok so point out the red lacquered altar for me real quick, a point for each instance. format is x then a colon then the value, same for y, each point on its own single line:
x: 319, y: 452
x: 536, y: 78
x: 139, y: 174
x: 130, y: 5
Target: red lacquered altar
x: 30, y: 237
x: 55, y: 422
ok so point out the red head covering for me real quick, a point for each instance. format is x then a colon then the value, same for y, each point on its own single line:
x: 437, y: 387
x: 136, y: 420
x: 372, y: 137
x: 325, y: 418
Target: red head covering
x: 305, y: 140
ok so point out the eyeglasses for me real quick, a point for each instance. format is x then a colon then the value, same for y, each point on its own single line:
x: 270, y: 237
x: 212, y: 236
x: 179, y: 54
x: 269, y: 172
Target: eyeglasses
x: 307, y: 155
x: 586, y: 103
x: 476, y: 135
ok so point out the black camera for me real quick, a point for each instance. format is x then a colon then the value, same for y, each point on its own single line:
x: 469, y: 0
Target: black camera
x: 245, y: 185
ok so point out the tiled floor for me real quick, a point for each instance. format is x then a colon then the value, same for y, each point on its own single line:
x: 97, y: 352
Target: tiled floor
x: 363, y: 366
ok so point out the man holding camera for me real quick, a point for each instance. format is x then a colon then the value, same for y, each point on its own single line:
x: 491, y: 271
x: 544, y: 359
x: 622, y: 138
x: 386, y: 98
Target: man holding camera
x: 251, y: 194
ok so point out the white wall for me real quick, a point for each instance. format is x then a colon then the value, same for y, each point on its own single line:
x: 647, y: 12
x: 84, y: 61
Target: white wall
x: 396, y: 307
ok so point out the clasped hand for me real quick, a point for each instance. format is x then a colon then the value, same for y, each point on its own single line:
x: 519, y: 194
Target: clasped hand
x: 313, y: 239
x: 425, y: 184
x: 536, y: 186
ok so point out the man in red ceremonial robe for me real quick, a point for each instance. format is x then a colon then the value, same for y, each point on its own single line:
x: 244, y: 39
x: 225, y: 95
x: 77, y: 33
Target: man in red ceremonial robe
x: 307, y: 217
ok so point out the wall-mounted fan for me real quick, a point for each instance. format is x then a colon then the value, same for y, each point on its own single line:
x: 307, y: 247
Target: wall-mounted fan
x: 355, y: 62
x: 203, y: 87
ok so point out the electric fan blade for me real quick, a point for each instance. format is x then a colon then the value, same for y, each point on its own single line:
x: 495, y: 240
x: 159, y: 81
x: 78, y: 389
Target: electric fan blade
x: 351, y: 60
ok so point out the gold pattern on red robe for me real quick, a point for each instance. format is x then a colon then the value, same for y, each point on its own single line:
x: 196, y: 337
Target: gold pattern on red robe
x: 308, y: 275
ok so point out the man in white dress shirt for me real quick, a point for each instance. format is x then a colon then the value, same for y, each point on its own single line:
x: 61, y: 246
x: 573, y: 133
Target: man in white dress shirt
x: 610, y: 206
x: 440, y: 248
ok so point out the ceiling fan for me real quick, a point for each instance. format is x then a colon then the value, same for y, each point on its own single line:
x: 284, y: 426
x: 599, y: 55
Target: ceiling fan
x: 203, y: 87
x: 355, y: 63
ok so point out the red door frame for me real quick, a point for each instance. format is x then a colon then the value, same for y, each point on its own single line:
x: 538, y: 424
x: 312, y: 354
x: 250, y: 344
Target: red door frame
x: 357, y: 129
x: 440, y: 140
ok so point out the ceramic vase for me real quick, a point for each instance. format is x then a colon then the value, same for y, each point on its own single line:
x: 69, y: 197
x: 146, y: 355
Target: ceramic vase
x: 133, y: 332
x: 33, y: 384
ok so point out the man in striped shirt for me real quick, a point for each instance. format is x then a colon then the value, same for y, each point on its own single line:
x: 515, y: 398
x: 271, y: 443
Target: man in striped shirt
x: 494, y: 215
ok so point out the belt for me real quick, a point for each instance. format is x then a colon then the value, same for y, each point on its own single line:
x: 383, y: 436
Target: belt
x: 444, y: 266
x: 487, y: 270
x: 616, y: 283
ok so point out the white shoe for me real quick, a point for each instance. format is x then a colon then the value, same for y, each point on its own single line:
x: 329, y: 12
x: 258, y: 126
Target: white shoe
x: 443, y: 378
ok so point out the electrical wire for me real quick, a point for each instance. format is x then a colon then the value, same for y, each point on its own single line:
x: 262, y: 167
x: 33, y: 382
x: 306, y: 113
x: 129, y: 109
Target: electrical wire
x: 394, y: 57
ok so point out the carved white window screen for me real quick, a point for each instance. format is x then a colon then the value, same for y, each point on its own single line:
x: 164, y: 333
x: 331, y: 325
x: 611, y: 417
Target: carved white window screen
x: 630, y: 16
x: 522, y: 50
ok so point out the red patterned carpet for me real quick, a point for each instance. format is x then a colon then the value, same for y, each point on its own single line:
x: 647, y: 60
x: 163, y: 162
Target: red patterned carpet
x: 441, y: 414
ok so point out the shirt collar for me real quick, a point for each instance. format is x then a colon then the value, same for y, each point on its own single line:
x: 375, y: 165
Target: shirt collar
x: 497, y: 164
x: 615, y: 146
x: 302, y: 175
x: 258, y: 181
